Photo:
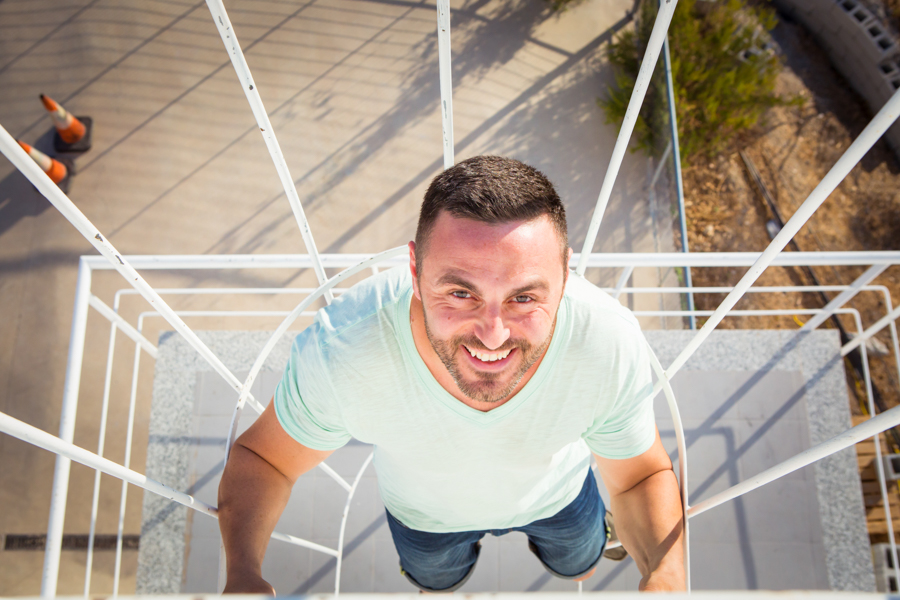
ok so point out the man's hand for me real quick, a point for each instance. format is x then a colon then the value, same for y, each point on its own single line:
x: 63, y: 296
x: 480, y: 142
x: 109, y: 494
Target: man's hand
x: 247, y: 583
x: 663, y: 582
x: 646, y: 503
x: 256, y: 484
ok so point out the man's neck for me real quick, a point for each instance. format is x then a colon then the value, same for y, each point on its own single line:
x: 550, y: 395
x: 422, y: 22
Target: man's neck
x: 440, y: 372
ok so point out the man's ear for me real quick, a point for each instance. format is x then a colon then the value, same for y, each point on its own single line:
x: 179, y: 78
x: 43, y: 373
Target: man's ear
x: 566, y: 270
x: 413, y: 271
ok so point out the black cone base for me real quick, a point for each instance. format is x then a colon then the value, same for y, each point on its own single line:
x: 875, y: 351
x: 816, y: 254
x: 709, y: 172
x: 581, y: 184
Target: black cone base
x: 82, y: 145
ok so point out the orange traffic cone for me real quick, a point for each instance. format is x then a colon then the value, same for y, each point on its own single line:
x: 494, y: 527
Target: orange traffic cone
x: 55, y: 170
x: 72, y: 135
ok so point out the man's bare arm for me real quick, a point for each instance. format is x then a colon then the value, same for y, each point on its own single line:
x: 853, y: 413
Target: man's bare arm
x: 264, y: 464
x: 646, y: 504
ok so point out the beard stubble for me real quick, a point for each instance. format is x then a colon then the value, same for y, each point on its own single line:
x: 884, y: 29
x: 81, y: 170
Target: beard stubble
x: 486, y: 387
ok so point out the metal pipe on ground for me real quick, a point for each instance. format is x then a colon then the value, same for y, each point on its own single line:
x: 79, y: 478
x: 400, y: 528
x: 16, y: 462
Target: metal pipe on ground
x: 855, y: 357
x: 862, y: 144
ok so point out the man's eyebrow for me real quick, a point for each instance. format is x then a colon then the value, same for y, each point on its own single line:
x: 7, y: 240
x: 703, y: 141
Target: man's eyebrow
x: 536, y: 285
x: 452, y: 278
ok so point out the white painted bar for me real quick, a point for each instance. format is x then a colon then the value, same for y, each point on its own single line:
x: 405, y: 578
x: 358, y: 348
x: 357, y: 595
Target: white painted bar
x: 654, y: 45
x: 290, y: 539
x: 368, y: 263
x: 60, y: 491
x: 207, y: 291
x: 676, y: 164
x: 233, y: 47
x: 647, y: 313
x: 862, y: 144
x: 101, y: 443
x: 841, y: 299
x: 340, y: 549
x: 11, y: 149
x: 129, y: 441
x: 42, y: 439
x: 334, y: 475
x: 283, y: 327
x: 228, y: 313
x: 126, y: 327
x: 597, y: 260
x: 875, y: 328
x: 240, y: 261
x: 854, y: 435
x: 46, y: 441
x: 762, y: 289
x: 446, y: 80
x: 879, y: 465
x: 735, y: 313
x: 623, y: 279
x: 662, y: 163
x: 895, y: 342
x: 682, y: 455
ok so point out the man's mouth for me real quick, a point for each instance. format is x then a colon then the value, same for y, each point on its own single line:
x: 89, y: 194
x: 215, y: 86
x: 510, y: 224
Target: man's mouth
x: 486, y: 356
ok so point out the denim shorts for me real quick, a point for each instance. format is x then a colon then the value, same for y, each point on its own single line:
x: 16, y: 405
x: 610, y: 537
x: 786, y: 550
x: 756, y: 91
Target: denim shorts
x: 568, y: 544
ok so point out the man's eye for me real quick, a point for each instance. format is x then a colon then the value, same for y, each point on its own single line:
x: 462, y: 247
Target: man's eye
x: 461, y: 295
x: 522, y: 299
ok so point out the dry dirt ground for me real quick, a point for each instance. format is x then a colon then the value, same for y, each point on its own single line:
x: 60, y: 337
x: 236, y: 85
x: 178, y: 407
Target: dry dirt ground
x: 793, y: 148
x: 891, y: 11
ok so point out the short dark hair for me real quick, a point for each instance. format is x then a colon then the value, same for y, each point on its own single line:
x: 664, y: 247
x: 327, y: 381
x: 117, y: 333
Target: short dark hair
x: 493, y: 190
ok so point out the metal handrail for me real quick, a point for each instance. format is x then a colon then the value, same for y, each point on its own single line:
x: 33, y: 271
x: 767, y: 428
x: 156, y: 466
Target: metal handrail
x: 859, y: 285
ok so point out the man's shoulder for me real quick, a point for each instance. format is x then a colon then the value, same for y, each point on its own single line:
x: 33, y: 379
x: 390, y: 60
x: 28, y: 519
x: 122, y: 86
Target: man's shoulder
x: 363, y: 301
x: 593, y: 308
x: 349, y: 347
x: 601, y: 332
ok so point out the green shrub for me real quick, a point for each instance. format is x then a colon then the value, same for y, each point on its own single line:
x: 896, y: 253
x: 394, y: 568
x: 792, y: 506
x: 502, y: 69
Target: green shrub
x: 560, y: 5
x: 723, y: 73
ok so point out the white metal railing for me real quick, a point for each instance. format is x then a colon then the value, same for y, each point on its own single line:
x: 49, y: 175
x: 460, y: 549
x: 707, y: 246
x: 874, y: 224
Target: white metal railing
x: 597, y: 263
x: 233, y: 47
x: 676, y: 164
x: 127, y: 267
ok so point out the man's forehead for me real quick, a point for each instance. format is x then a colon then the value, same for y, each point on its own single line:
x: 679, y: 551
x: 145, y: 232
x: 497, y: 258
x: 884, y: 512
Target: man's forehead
x: 448, y: 221
x: 460, y: 249
x: 537, y: 235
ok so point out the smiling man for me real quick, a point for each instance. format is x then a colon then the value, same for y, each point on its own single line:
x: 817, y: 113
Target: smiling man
x: 485, y: 375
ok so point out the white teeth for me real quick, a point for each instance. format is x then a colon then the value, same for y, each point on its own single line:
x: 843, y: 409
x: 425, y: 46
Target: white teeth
x: 488, y: 356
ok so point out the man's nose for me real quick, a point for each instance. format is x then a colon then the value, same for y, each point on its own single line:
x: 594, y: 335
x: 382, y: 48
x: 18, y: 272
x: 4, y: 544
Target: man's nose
x: 492, y: 331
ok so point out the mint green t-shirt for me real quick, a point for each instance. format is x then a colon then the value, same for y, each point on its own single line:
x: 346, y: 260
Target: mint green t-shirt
x: 441, y: 465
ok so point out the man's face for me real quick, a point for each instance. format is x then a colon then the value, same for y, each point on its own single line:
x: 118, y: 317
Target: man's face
x: 489, y: 295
